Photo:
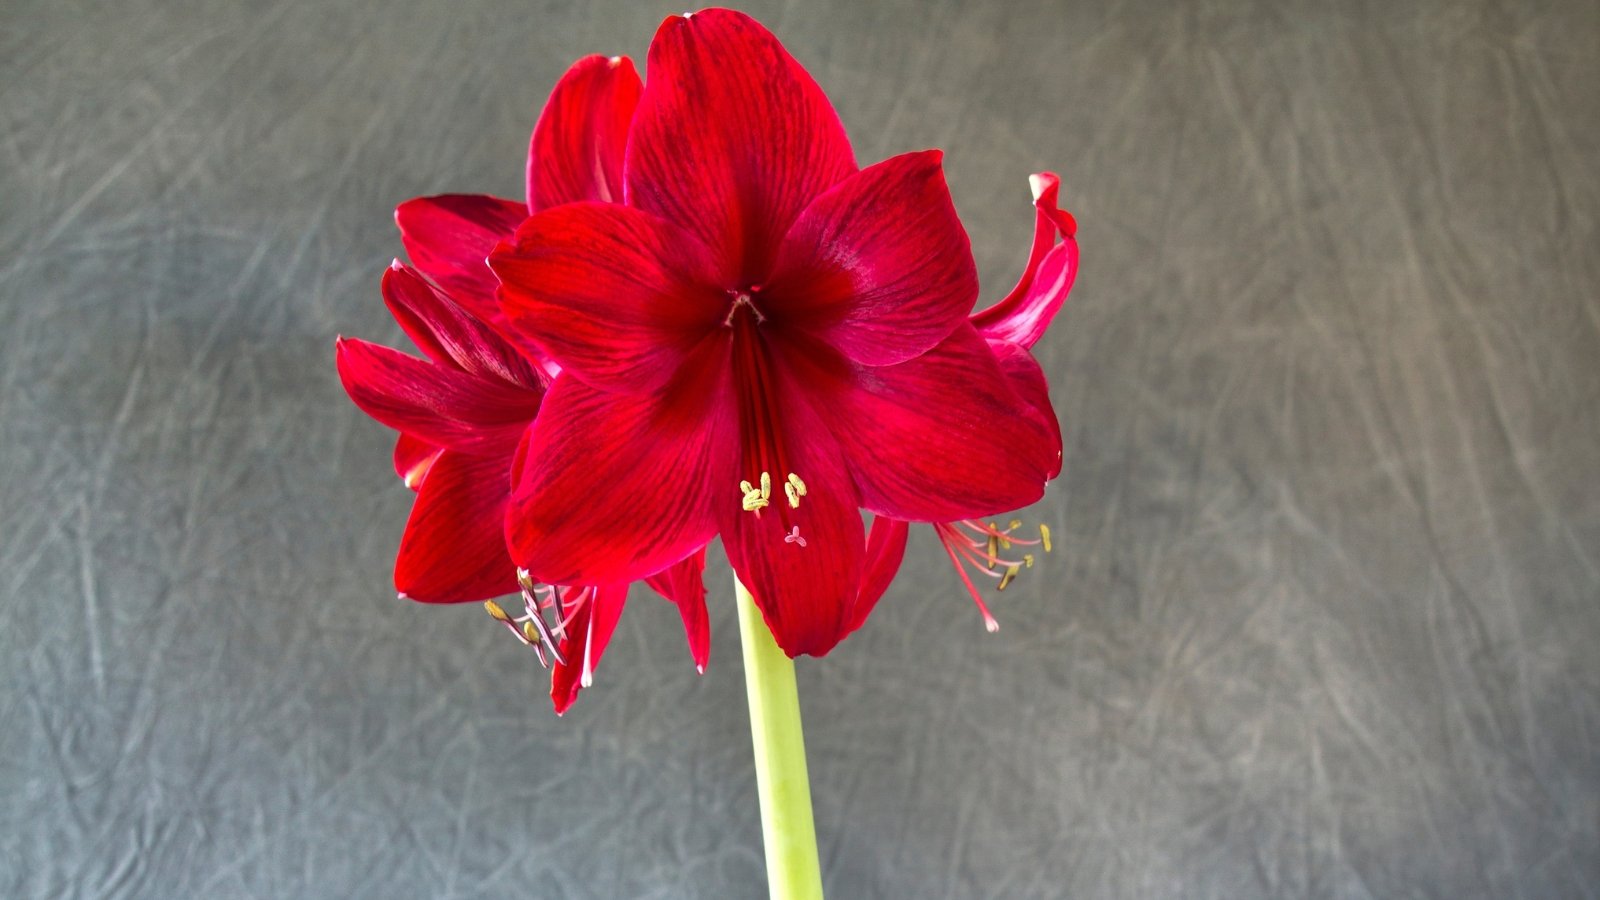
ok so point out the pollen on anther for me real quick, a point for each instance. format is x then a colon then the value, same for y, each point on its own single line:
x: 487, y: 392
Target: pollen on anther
x: 495, y: 610
x: 766, y: 485
x: 1006, y: 579
x: 799, y: 486
x: 1044, y: 535
x: 792, y: 494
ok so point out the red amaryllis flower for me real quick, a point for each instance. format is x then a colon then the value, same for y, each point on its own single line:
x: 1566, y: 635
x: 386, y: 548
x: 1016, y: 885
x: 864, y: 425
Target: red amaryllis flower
x: 462, y: 411
x: 762, y: 342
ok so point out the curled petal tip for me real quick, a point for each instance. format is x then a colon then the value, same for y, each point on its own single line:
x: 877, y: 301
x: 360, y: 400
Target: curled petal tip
x: 396, y: 265
x: 1038, y: 184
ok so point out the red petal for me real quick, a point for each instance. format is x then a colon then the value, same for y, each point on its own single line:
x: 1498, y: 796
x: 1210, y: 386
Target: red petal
x: 577, y: 147
x: 806, y: 592
x: 886, y: 547
x: 585, y: 642
x: 616, y: 487
x: 439, y: 405
x: 1028, y: 380
x: 447, y: 333
x: 684, y: 584
x: 449, y: 236
x: 938, y: 438
x: 453, y: 549
x: 614, y: 295
x: 879, y: 266
x: 1023, y: 315
x: 412, y: 457
x: 732, y: 139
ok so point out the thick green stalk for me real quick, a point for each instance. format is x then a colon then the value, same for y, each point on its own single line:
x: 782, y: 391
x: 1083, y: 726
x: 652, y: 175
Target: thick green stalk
x: 791, y: 838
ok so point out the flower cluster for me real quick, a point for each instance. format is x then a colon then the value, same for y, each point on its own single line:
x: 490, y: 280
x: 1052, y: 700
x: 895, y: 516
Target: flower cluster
x: 705, y: 320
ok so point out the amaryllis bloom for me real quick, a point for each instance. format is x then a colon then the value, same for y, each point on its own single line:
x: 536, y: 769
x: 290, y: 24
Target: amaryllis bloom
x: 464, y: 411
x: 761, y: 341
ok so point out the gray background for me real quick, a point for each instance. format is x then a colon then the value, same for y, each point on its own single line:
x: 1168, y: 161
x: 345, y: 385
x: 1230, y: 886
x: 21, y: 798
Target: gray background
x: 1323, y: 616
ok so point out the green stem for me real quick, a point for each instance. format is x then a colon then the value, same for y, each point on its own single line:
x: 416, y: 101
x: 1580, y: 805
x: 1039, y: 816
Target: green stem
x: 780, y: 747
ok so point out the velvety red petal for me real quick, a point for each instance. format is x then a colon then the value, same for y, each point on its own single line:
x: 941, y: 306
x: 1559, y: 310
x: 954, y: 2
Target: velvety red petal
x: 577, y: 147
x: 801, y: 563
x: 886, y: 548
x: 732, y: 139
x: 449, y: 236
x: 1028, y: 380
x: 585, y: 642
x: 879, y: 266
x: 684, y: 584
x: 617, y: 297
x: 438, y: 405
x: 937, y: 438
x: 448, y: 334
x: 1023, y: 315
x: 412, y: 457
x: 616, y: 487
x: 454, y: 549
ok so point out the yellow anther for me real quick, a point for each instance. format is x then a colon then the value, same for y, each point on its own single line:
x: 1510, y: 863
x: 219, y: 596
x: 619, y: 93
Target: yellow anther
x: 1044, y: 535
x: 792, y: 494
x: 766, y: 486
x: 1027, y: 560
x: 753, y: 501
x: 991, y: 552
x: 494, y: 609
x: 1015, y: 524
x: 747, y: 487
x: 799, y: 486
x: 1011, y: 572
x: 530, y: 633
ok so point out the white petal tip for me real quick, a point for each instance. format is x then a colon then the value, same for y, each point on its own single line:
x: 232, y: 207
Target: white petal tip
x: 1037, y: 184
x: 700, y: 670
x: 992, y: 626
x: 587, y: 680
x: 402, y: 596
x: 615, y: 61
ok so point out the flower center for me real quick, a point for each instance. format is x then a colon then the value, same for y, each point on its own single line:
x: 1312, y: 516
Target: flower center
x: 763, y: 451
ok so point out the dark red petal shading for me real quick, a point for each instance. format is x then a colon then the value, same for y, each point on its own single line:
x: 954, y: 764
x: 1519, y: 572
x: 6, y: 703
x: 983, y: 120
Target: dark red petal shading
x: 1028, y: 380
x: 577, y: 147
x: 732, y: 139
x: 879, y: 266
x: 938, y: 438
x: 614, y: 295
x: 1023, y: 315
x: 585, y: 642
x: 412, y: 457
x: 448, y: 334
x: 441, y: 406
x: 616, y: 487
x: 806, y: 593
x: 449, y: 236
x: 684, y: 584
x: 886, y: 547
x: 453, y: 549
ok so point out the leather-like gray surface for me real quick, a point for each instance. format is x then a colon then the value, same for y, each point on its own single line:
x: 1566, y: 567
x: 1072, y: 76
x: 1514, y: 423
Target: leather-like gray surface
x: 1323, y: 615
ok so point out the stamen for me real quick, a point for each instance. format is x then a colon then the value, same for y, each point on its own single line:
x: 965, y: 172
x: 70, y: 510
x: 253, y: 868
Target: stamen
x: 1011, y: 572
x: 1044, y: 535
x: 755, y: 498
x: 1027, y: 560
x: 494, y: 609
x: 792, y: 494
x: 992, y: 552
x: 799, y: 486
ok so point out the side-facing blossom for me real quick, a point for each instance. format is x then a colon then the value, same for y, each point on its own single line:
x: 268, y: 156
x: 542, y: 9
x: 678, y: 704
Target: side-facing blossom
x: 464, y: 410
x: 763, y: 341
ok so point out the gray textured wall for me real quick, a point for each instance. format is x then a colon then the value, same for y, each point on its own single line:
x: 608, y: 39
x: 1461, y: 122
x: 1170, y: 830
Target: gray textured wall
x: 1324, y: 612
